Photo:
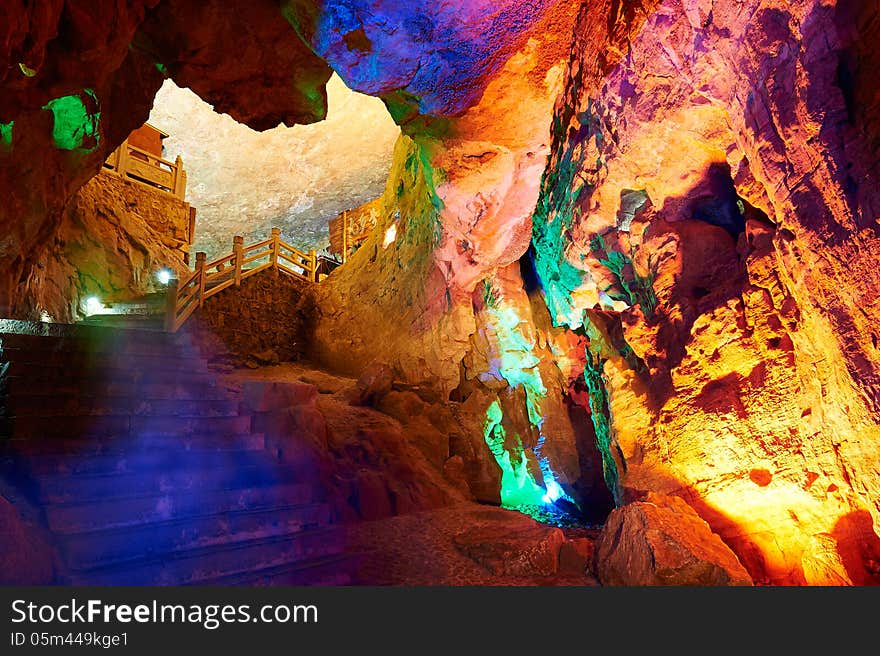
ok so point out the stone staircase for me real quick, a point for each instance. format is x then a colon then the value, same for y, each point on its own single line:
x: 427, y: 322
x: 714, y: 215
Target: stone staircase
x: 146, y: 471
x: 142, y: 313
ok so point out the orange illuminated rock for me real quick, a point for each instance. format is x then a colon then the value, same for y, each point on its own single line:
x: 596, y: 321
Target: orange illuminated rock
x: 720, y: 242
x: 662, y: 541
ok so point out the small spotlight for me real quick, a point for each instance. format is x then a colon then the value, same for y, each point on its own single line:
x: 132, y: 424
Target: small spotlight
x: 390, y: 235
x: 164, y: 276
x: 93, y: 305
x: 45, y: 317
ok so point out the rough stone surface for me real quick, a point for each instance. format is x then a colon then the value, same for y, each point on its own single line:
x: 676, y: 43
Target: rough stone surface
x: 263, y: 396
x: 372, y: 463
x: 662, y: 541
x: 512, y: 548
x: 258, y: 323
x: 576, y: 555
x: 713, y: 191
x: 420, y: 549
x: 373, y: 384
x: 114, y: 237
x: 261, y: 73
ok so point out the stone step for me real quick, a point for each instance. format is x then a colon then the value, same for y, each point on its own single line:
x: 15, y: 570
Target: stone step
x: 198, y: 565
x: 22, y: 359
x: 133, y: 461
x: 61, y: 488
x: 114, y: 446
x: 29, y: 405
x: 91, y: 426
x: 148, y: 321
x: 72, y: 336
x: 133, y: 348
x: 103, y: 548
x: 323, y: 570
x: 203, y: 391
x: 106, y: 514
x: 50, y: 374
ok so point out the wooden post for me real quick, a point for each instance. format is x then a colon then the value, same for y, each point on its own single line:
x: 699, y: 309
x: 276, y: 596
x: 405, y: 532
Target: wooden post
x: 171, y: 305
x: 344, y: 236
x: 112, y: 162
x: 191, y: 232
x: 313, y: 266
x: 276, y: 237
x: 201, y: 260
x: 122, y: 160
x: 238, y: 250
x: 179, y: 178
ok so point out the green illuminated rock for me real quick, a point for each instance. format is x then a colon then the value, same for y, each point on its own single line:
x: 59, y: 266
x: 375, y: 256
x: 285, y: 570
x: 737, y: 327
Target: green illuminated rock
x: 75, y: 125
x: 6, y: 133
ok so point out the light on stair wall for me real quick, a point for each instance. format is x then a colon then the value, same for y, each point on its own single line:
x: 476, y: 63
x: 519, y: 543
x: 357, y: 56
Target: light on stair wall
x: 93, y: 305
x: 163, y: 276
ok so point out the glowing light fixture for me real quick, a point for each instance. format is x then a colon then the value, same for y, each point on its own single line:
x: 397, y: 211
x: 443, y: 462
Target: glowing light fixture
x: 390, y: 235
x: 45, y: 317
x: 93, y: 305
x: 163, y: 276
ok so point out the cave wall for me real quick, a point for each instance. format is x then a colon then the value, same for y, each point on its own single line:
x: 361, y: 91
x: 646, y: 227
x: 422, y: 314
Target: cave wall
x: 425, y: 293
x: 703, y: 241
x: 79, y: 76
x: 709, y: 219
x: 115, y: 235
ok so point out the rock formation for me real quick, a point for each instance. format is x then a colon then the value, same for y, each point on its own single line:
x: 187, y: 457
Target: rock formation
x: 638, y: 258
x: 115, y: 236
x: 662, y: 541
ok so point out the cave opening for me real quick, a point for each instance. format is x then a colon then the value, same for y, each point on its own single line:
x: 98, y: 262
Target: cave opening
x: 244, y: 182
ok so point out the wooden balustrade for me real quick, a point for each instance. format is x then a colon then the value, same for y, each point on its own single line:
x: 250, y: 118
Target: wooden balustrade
x: 185, y: 296
x: 139, y: 165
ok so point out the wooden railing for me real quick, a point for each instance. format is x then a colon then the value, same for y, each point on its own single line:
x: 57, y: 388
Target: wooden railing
x: 132, y: 162
x: 209, y: 278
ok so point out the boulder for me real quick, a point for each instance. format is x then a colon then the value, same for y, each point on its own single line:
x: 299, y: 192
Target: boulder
x: 662, y: 541
x: 374, y: 383
x: 576, y: 555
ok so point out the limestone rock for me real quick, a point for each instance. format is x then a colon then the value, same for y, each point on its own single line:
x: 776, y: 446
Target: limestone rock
x: 662, y: 541
x: 524, y: 549
x: 374, y: 383
x: 293, y: 178
x: 110, y: 245
x: 266, y: 396
x: 576, y: 555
